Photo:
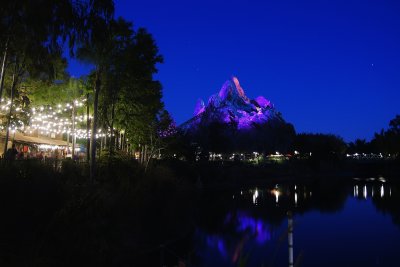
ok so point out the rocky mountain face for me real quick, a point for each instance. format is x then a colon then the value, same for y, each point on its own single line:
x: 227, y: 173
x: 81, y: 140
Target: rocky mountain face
x: 232, y: 106
x: 230, y: 121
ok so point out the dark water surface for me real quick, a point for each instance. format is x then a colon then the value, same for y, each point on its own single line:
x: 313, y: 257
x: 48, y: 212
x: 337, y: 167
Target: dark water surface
x: 352, y: 223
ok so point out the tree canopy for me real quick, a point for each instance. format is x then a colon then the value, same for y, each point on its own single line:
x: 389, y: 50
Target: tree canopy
x: 123, y: 100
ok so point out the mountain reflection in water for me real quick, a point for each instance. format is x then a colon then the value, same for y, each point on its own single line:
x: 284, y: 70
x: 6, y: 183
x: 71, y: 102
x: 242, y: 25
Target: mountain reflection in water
x: 354, y: 223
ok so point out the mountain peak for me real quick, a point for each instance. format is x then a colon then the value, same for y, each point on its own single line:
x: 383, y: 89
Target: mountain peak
x: 232, y: 89
x: 239, y: 89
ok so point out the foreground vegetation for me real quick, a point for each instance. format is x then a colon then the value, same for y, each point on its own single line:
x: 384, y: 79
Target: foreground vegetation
x: 58, y: 218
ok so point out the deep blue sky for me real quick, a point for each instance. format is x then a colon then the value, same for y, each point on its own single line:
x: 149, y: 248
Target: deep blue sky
x: 328, y: 66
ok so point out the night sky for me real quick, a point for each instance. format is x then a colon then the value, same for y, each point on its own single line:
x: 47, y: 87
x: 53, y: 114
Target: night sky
x: 328, y: 66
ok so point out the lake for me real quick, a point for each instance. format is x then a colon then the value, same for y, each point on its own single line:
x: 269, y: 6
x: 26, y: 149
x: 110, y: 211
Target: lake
x: 316, y: 223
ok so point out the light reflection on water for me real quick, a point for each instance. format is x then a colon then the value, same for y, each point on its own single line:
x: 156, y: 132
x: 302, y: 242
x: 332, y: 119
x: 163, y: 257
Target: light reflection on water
x: 255, y: 230
x: 369, y: 190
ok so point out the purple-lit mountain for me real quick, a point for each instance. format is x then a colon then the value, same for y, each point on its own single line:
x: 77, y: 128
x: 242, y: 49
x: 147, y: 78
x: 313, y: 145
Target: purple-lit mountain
x: 231, y: 117
x: 232, y: 106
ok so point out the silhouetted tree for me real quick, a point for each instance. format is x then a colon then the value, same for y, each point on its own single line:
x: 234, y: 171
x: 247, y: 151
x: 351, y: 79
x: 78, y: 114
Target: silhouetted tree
x: 359, y: 146
x: 96, y: 46
x: 388, y: 142
x: 321, y: 146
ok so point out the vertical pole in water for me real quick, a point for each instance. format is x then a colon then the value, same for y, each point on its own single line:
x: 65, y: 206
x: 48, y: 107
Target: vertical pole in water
x: 290, y: 238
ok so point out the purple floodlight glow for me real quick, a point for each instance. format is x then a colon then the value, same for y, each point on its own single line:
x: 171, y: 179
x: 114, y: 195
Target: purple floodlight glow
x: 256, y: 227
x: 248, y: 119
x: 225, y: 90
x: 263, y: 102
x: 227, y: 119
x: 244, y: 123
x: 218, y: 242
x: 171, y: 130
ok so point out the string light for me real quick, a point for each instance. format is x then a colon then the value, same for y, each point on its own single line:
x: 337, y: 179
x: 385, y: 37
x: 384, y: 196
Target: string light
x: 49, y: 120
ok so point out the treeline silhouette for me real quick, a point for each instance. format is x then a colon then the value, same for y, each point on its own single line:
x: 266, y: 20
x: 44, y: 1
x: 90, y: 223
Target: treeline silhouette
x: 386, y: 142
x: 218, y: 137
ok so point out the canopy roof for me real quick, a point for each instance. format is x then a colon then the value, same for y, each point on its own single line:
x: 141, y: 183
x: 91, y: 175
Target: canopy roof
x: 19, y: 137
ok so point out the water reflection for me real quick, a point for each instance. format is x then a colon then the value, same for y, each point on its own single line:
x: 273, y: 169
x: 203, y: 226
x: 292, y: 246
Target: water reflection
x: 253, y: 230
x: 255, y: 196
x: 368, y: 190
x: 290, y: 238
x: 239, y: 230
